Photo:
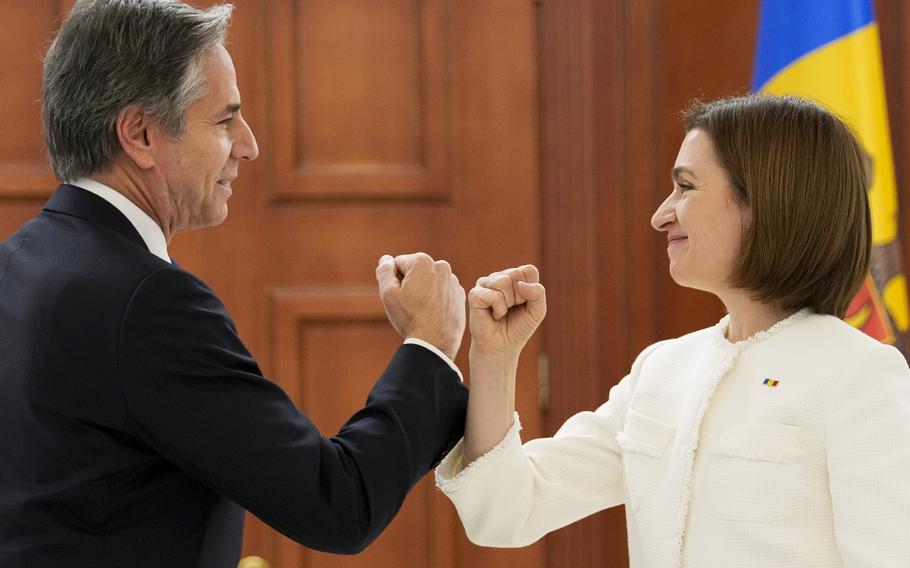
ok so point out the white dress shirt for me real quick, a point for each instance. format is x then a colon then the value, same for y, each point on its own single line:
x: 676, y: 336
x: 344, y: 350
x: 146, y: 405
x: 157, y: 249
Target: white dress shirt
x: 147, y: 228
x: 154, y: 239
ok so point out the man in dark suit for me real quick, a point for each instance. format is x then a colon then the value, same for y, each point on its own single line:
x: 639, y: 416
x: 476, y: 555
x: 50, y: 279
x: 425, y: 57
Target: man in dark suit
x: 134, y: 424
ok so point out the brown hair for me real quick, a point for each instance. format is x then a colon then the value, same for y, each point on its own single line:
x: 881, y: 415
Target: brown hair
x: 801, y: 172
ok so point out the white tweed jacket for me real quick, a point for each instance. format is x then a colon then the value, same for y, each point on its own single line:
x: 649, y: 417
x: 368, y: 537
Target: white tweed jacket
x: 791, y: 449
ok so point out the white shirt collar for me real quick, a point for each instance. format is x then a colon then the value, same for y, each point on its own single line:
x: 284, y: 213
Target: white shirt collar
x: 148, y: 229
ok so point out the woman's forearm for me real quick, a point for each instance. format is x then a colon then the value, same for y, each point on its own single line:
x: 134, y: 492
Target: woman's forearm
x: 491, y: 403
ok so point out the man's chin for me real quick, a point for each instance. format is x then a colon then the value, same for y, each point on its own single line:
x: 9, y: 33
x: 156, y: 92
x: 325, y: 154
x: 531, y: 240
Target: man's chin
x: 212, y: 218
x: 220, y: 217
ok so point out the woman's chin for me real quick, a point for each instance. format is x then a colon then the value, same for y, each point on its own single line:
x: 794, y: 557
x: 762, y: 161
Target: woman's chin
x: 682, y: 278
x: 677, y: 274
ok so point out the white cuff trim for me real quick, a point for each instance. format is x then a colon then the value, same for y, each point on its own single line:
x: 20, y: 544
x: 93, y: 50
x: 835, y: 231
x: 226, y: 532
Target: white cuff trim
x: 451, y: 473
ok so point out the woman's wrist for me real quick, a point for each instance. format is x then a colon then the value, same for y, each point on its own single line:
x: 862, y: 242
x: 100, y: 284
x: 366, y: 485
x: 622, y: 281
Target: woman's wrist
x: 493, y: 360
x: 491, y: 403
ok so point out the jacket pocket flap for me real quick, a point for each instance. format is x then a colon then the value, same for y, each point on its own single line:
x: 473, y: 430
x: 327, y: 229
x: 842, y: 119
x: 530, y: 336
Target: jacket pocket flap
x: 775, y: 443
x: 644, y: 435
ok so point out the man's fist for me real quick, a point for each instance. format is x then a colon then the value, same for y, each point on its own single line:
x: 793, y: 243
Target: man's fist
x: 423, y: 300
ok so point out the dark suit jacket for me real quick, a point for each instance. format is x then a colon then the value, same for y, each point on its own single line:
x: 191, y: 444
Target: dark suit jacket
x: 135, y: 425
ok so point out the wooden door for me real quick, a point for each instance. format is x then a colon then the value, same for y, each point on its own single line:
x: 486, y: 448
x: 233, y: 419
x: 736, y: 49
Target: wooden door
x: 384, y: 127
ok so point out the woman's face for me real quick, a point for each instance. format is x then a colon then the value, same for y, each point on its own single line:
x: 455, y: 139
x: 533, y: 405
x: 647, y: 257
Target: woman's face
x: 703, y: 220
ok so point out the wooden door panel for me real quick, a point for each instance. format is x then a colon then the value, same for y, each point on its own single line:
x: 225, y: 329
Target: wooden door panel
x: 384, y: 128
x: 327, y: 344
x: 360, y: 104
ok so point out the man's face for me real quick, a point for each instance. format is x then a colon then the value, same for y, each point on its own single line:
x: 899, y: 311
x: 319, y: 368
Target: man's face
x: 195, y: 172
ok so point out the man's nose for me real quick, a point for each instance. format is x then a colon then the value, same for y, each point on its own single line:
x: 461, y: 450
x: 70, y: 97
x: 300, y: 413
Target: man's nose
x: 246, y: 148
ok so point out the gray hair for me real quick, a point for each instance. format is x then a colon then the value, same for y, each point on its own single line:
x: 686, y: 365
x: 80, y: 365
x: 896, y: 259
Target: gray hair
x: 111, y: 54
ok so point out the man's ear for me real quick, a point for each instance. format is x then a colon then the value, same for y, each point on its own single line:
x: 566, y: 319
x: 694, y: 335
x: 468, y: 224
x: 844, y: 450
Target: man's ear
x: 133, y: 125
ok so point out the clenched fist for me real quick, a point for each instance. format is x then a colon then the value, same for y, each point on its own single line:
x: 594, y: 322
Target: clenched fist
x: 423, y: 300
x: 506, y: 307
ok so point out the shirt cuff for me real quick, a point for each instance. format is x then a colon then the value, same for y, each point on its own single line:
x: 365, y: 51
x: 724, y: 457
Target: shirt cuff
x: 443, y: 356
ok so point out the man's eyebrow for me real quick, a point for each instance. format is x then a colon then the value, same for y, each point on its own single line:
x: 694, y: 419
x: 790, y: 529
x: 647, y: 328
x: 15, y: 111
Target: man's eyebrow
x: 232, y: 108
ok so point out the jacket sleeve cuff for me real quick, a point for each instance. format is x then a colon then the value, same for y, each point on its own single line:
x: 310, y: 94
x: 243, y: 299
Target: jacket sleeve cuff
x: 434, y: 349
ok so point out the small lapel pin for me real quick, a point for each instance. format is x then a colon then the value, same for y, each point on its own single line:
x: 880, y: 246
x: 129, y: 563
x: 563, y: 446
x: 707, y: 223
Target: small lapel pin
x: 771, y: 382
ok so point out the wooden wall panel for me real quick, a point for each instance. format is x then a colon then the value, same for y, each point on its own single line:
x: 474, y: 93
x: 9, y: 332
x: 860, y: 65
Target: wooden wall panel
x: 573, y: 205
x: 368, y: 113
x: 23, y: 163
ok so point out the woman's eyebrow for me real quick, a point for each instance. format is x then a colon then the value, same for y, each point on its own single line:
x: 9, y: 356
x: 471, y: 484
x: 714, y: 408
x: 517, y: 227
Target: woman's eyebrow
x: 678, y: 170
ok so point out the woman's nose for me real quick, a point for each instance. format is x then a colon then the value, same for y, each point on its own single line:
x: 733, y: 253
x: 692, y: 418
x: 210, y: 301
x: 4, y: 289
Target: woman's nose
x: 665, y: 214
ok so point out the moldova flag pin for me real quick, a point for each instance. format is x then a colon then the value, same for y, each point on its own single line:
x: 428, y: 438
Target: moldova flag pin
x: 771, y: 382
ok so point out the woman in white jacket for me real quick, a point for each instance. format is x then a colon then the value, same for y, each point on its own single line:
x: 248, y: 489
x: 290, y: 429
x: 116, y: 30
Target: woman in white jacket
x: 779, y: 436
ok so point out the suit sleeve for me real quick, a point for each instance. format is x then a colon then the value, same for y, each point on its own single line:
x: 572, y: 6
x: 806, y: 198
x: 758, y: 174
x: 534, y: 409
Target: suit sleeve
x: 196, y: 395
x: 515, y: 494
x: 868, y: 446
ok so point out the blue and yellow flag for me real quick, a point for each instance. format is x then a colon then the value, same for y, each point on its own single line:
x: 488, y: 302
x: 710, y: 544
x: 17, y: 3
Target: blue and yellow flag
x: 829, y: 51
